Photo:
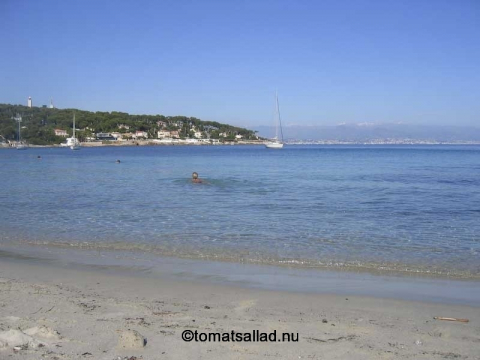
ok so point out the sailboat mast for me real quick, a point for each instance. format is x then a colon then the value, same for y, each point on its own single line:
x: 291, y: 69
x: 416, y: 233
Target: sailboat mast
x: 275, y: 116
x: 18, y: 119
x: 73, y: 126
x: 279, y: 120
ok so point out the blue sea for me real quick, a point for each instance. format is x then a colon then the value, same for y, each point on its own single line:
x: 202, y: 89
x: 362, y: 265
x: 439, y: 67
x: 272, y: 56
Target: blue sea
x: 380, y: 209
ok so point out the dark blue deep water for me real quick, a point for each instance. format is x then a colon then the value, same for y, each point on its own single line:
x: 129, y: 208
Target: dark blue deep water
x: 404, y: 208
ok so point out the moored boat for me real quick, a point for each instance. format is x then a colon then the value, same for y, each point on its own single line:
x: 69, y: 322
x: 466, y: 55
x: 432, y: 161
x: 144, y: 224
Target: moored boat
x: 277, y: 141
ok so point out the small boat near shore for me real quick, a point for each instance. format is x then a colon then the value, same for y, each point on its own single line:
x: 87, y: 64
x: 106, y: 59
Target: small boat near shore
x: 75, y: 144
x: 68, y: 142
x: 20, y: 144
x: 277, y: 141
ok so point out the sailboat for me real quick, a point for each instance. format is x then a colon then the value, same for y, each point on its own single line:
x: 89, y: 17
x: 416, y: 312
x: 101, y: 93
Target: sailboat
x: 20, y: 145
x: 75, y: 143
x: 277, y: 142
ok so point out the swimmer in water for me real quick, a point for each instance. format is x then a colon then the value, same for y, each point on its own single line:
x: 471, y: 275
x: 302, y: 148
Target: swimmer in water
x: 118, y: 161
x: 195, y: 178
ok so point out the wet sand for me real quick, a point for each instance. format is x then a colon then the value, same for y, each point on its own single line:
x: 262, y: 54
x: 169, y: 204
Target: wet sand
x: 77, y: 314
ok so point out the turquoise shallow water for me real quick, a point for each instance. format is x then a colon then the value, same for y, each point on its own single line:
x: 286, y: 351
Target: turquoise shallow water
x: 379, y: 208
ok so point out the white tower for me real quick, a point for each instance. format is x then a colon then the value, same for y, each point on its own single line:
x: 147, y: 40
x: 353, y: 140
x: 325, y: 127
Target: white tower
x: 51, y: 104
x: 29, y: 103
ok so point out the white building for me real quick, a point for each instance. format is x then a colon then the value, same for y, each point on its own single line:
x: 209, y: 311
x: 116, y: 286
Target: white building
x: 29, y: 102
x: 162, y: 134
x: 60, y: 132
x: 51, y: 104
x: 117, y: 135
x: 139, y: 134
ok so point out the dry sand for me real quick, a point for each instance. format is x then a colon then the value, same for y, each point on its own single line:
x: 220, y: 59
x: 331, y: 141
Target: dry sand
x: 53, y: 313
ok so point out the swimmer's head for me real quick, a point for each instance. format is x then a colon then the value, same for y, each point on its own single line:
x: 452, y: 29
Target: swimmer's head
x: 194, y: 175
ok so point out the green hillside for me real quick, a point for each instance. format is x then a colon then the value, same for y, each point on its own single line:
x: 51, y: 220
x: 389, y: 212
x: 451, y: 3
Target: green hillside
x: 39, y: 123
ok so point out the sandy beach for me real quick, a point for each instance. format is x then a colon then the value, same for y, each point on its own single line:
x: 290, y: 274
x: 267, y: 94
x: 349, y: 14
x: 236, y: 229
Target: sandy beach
x: 57, y: 313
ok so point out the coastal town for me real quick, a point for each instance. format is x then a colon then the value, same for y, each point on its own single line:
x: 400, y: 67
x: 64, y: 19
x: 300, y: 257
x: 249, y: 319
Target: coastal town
x: 163, y: 136
x: 49, y: 126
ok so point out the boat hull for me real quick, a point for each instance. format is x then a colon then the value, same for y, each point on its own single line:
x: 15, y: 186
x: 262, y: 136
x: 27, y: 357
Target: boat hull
x: 22, y: 147
x: 274, y: 145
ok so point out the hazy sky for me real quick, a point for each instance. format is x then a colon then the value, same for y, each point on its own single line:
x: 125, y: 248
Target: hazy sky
x: 331, y: 61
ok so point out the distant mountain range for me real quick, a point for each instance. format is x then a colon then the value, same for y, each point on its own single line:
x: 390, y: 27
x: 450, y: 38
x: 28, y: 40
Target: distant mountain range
x: 362, y: 132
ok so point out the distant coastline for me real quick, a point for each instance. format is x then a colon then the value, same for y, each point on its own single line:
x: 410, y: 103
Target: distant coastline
x: 381, y: 142
x: 378, y: 133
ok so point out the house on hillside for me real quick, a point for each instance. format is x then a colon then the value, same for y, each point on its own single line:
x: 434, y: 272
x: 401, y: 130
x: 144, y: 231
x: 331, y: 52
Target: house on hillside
x: 60, y: 132
x: 162, y: 134
x: 117, y: 135
x: 140, y: 134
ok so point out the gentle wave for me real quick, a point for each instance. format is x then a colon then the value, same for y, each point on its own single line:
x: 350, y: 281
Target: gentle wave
x: 132, y: 251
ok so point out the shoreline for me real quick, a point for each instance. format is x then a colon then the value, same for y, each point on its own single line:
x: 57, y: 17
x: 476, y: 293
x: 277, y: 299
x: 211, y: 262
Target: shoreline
x: 347, y: 281
x: 152, y: 253
x: 86, y: 314
x: 134, y: 143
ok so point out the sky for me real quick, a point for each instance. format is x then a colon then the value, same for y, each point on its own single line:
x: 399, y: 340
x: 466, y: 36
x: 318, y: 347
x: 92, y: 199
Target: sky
x: 411, y: 61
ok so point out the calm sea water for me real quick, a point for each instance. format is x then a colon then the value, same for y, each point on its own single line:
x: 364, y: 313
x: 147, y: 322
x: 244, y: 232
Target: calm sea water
x: 414, y: 209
